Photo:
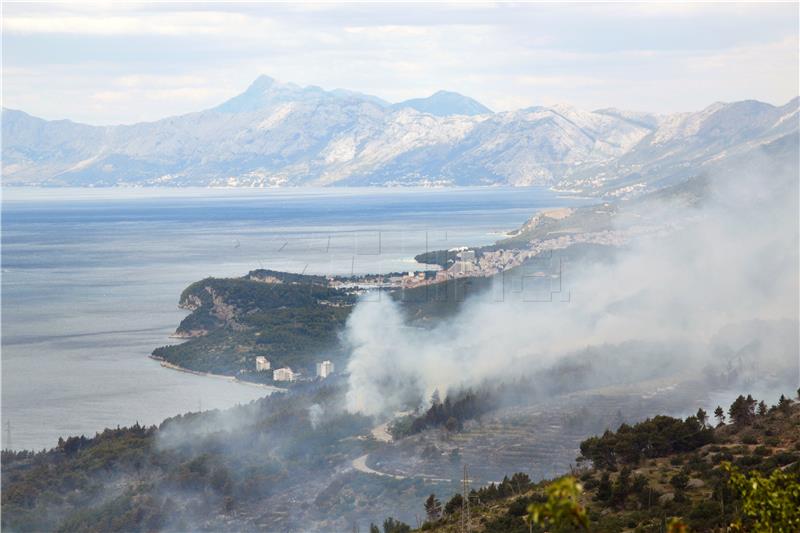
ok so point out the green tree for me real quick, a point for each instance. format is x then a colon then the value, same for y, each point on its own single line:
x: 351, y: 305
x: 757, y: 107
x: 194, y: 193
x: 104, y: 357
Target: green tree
x: 622, y: 486
x: 454, y: 504
x: 452, y: 424
x: 743, y: 410
x: 702, y: 416
x: 433, y: 508
x: 604, y: 488
x: 374, y: 529
x: 771, y: 503
x: 784, y: 404
x: 390, y: 525
x: 562, y: 511
x: 679, y: 482
x: 762, y: 408
x: 720, y: 415
x: 435, y: 398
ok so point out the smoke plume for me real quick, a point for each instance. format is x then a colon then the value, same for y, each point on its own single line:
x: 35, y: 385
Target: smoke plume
x: 711, y: 280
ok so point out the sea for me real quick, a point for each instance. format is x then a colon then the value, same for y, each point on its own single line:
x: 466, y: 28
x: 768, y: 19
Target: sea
x: 91, y: 280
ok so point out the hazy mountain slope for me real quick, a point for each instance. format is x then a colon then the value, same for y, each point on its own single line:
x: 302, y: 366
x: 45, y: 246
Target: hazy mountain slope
x: 689, y: 144
x: 443, y: 103
x: 537, y: 145
x: 282, y: 134
x: 34, y: 149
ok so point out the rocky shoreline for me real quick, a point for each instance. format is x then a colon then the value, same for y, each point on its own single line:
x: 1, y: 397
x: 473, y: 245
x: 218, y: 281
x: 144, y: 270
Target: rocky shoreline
x: 172, y: 366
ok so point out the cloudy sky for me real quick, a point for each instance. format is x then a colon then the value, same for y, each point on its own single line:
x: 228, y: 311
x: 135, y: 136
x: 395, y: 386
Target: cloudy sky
x: 107, y: 64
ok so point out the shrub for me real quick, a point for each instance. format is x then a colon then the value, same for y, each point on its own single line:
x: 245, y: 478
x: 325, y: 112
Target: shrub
x: 705, y: 515
x: 562, y: 508
x: 749, y: 438
x: 771, y: 503
x: 748, y: 461
x: 762, y: 451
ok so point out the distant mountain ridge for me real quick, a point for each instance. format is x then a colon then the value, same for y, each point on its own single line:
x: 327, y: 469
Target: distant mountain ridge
x: 444, y: 103
x: 281, y: 134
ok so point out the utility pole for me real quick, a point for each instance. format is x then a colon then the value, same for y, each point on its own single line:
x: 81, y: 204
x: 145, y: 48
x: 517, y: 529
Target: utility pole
x: 8, y: 435
x: 465, y: 523
x: 462, y: 529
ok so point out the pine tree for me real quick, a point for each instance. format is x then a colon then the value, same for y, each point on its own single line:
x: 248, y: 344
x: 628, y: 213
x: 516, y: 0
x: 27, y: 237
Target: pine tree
x: 433, y: 508
x: 720, y: 414
x: 702, y: 417
x: 679, y: 482
x: 743, y: 410
x: 435, y: 398
x: 622, y: 486
x: 604, y: 488
x: 784, y: 403
x: 390, y: 525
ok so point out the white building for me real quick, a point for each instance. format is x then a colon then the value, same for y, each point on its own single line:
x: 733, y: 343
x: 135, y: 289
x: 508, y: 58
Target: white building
x: 324, y: 369
x: 467, y: 255
x: 262, y: 364
x: 462, y: 268
x: 284, y: 374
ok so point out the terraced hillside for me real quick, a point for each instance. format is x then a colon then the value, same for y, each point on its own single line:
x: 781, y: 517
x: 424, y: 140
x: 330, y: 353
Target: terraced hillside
x: 540, y: 440
x: 685, y: 481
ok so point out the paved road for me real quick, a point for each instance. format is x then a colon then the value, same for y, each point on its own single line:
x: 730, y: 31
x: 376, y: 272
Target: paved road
x: 381, y: 434
x: 360, y: 464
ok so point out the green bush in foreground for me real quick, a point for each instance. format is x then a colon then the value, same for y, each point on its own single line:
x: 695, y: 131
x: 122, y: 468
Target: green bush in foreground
x: 562, y: 510
x: 771, y: 503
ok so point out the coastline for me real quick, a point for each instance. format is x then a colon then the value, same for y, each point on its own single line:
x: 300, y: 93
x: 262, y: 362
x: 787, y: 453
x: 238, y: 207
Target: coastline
x: 172, y: 366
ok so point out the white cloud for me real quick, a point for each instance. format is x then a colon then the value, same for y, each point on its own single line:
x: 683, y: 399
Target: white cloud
x: 178, y: 24
x: 559, y: 81
x: 149, y: 80
x: 177, y: 58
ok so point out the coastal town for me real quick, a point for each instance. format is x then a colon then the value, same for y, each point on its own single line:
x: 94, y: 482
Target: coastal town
x: 469, y: 262
x: 285, y: 374
x: 233, y: 322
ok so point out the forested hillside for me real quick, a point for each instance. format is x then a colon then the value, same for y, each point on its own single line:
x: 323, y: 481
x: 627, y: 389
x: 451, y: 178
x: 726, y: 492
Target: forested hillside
x: 737, y: 467
x: 290, y: 319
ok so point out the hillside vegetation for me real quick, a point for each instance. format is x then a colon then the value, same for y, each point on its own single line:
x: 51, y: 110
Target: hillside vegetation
x: 291, y: 319
x: 663, y: 470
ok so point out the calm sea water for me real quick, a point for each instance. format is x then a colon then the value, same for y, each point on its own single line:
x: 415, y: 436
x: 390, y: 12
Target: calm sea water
x: 91, y: 280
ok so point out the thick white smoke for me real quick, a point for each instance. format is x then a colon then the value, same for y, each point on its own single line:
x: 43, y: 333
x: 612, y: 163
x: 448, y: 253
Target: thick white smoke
x: 732, y: 262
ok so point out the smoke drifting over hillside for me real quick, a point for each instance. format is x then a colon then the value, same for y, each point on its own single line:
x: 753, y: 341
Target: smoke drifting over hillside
x: 720, y: 284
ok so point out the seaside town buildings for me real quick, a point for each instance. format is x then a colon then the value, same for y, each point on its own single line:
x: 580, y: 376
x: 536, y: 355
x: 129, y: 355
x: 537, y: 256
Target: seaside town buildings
x: 284, y: 374
x: 262, y: 364
x: 324, y: 369
x: 484, y: 263
x: 467, y: 256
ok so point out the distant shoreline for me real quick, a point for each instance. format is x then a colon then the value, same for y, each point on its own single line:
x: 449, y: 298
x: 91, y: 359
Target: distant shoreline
x: 172, y: 366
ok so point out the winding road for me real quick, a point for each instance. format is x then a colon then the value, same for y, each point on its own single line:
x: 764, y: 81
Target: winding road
x: 381, y: 434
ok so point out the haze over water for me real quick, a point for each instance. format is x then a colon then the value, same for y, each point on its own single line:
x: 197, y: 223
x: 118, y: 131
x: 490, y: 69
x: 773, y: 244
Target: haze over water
x: 91, y: 281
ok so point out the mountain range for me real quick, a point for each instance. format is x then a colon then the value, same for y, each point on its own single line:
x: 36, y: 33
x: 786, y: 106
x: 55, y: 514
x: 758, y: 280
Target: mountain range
x: 281, y: 134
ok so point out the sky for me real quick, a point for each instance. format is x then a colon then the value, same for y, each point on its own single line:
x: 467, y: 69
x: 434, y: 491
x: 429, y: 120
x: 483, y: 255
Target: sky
x: 124, y: 63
